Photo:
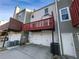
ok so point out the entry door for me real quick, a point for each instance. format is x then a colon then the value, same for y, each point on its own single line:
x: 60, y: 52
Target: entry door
x: 68, y: 44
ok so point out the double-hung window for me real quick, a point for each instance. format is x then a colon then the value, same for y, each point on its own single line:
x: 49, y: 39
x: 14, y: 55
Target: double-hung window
x: 64, y: 14
x: 46, y: 11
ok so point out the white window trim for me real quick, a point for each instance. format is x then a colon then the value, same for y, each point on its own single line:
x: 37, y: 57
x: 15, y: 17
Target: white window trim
x: 68, y: 14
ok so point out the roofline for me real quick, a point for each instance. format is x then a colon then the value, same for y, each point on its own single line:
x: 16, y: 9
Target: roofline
x: 44, y: 6
x: 39, y: 8
x: 21, y: 11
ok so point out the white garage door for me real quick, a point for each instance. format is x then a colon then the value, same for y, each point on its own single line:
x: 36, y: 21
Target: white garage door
x: 43, y: 38
x: 14, y: 36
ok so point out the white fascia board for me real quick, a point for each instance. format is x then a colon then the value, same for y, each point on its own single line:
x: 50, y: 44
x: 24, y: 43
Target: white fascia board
x: 29, y: 10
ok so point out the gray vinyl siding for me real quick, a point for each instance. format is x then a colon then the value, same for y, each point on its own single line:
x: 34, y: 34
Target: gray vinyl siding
x: 66, y: 27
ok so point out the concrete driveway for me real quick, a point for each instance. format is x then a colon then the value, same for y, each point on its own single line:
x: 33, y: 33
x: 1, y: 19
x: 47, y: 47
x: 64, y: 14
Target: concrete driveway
x: 27, y: 52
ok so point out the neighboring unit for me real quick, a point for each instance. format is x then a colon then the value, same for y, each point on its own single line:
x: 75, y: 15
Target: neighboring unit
x: 42, y: 26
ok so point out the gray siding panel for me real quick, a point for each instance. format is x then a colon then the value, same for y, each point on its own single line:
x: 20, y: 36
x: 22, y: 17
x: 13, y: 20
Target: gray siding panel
x: 66, y: 27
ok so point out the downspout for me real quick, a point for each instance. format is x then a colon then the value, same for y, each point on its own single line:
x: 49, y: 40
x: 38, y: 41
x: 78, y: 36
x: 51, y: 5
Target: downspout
x: 59, y: 30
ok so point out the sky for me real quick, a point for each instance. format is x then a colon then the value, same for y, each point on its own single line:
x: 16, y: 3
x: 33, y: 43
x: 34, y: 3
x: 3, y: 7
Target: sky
x: 7, y: 7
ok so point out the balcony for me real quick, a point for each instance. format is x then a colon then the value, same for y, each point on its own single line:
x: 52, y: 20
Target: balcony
x: 12, y: 25
x: 15, y: 25
x: 44, y: 24
x: 74, y: 9
x: 4, y: 27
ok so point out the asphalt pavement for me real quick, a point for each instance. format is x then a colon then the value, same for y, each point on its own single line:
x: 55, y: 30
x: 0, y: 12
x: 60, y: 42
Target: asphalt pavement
x: 27, y: 52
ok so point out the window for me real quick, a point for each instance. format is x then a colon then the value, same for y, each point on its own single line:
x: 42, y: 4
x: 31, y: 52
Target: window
x: 21, y: 16
x: 64, y: 14
x: 32, y: 16
x: 46, y: 11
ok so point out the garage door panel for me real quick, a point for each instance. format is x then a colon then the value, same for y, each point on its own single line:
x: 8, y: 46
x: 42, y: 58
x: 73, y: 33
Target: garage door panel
x: 14, y: 36
x: 47, y: 37
x: 43, y: 38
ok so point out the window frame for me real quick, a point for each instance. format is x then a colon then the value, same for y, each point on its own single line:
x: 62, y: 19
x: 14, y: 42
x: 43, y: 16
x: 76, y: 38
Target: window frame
x: 60, y: 11
x: 32, y: 16
x: 46, y: 11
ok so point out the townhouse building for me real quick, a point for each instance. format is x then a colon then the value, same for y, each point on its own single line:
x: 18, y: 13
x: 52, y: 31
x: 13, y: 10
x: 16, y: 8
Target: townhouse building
x: 66, y: 28
x: 74, y: 9
x: 13, y: 28
x: 68, y: 19
x: 24, y: 17
x: 41, y: 26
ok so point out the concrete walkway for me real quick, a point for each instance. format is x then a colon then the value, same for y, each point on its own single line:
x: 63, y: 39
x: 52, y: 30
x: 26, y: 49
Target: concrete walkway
x: 27, y: 52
